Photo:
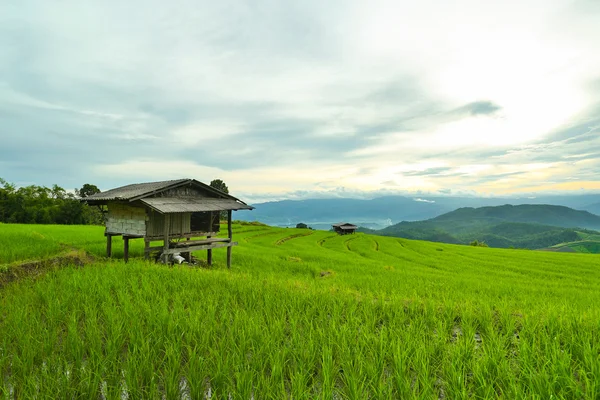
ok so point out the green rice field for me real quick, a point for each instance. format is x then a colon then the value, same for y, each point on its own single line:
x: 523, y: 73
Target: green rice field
x: 301, y: 314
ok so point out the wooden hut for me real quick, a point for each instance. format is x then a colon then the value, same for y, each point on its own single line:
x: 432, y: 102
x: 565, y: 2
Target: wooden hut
x: 344, y: 228
x: 172, y: 212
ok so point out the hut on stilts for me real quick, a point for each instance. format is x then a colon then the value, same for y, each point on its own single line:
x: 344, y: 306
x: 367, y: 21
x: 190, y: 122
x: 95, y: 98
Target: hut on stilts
x: 183, y: 214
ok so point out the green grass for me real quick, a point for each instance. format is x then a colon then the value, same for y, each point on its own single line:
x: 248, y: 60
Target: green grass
x: 304, y: 314
x: 21, y: 242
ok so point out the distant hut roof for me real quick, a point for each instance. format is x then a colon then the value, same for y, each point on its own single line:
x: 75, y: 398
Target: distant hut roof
x: 344, y: 225
x: 145, y: 191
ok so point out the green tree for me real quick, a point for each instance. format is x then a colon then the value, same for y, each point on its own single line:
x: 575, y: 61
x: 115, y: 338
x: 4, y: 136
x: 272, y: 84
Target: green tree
x: 87, y: 190
x: 219, y: 185
x: 42, y: 205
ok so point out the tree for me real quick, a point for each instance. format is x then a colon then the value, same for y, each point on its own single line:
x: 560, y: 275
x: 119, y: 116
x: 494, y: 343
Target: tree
x: 219, y: 185
x: 57, y: 192
x: 87, y: 190
x: 43, y: 205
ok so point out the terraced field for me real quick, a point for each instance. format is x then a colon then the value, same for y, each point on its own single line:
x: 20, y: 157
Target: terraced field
x: 301, y: 314
x: 582, y: 246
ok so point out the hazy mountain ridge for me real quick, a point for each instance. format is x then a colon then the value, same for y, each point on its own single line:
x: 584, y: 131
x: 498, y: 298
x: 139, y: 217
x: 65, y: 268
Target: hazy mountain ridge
x: 384, y: 211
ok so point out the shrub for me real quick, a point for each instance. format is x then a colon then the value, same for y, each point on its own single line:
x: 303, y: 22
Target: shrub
x: 477, y: 243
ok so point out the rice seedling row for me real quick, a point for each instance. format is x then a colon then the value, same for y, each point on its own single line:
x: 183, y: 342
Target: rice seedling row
x: 313, y: 317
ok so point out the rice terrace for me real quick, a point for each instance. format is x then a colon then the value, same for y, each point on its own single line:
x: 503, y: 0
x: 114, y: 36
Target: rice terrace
x: 301, y: 314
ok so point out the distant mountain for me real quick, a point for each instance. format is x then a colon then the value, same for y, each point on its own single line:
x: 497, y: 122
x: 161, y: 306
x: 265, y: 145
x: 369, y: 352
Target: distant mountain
x: 524, y: 226
x: 528, y: 213
x: 378, y: 213
x: 593, y: 208
x: 385, y: 211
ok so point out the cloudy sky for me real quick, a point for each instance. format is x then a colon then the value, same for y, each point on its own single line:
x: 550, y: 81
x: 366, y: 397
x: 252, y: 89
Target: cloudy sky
x: 303, y: 98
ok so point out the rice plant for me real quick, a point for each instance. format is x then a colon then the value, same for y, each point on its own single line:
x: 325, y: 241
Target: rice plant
x: 304, y: 317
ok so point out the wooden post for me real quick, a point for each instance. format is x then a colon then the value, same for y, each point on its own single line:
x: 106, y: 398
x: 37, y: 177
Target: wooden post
x: 209, y: 254
x: 146, y: 249
x: 167, y: 229
x: 108, y: 245
x: 126, y: 248
x: 209, y: 251
x: 230, y: 235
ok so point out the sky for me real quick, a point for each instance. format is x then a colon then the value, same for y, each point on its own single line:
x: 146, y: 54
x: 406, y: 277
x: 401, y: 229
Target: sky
x: 302, y: 99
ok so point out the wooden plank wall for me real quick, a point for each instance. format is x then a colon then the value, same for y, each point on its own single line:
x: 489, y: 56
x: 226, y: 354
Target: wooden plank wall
x: 180, y: 224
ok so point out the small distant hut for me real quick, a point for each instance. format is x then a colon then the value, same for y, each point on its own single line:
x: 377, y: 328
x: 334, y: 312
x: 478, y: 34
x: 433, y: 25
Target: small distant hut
x: 344, y: 228
x: 173, y: 212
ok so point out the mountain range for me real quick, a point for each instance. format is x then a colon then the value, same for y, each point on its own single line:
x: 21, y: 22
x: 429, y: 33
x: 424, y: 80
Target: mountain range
x: 531, y: 226
x: 385, y: 211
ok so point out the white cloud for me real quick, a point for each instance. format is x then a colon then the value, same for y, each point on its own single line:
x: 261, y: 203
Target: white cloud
x: 285, y: 95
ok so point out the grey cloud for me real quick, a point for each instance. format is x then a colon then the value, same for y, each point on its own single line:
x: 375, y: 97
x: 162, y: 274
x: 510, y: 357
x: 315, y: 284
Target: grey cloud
x: 396, y: 92
x: 428, y: 172
x: 389, y: 183
x: 484, y: 107
x: 45, y: 60
x: 495, y: 177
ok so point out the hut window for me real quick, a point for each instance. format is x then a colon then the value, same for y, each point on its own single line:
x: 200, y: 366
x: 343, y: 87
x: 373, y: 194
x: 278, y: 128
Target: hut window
x: 201, y: 222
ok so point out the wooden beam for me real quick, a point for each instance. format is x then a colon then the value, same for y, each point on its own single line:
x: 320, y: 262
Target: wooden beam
x: 155, y: 248
x: 201, y: 247
x: 126, y: 248
x: 201, y: 241
x: 108, y: 245
x: 185, y: 236
x: 230, y: 235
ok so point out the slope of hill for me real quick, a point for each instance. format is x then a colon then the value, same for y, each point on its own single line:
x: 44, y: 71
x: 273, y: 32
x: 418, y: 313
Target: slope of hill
x: 593, y: 208
x: 527, y: 213
x: 303, y: 314
x: 523, y: 226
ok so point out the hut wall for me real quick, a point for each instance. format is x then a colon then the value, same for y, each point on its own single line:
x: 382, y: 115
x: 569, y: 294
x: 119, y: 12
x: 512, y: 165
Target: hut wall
x: 180, y: 224
x: 125, y: 219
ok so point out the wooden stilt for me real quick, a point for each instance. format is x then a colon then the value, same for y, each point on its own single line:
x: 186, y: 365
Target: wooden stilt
x: 209, y: 254
x: 108, y: 245
x: 126, y: 248
x: 166, y: 236
x: 230, y: 235
x: 146, y: 249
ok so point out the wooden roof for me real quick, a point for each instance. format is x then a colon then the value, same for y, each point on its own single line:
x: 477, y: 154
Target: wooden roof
x: 146, y: 193
x: 344, y: 225
x: 192, y: 204
x: 128, y: 192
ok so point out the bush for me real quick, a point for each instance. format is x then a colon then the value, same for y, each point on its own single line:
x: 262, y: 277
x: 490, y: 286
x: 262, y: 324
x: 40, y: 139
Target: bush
x: 477, y: 243
x: 252, y: 223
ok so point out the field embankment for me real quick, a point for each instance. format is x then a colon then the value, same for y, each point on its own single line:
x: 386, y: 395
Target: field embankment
x: 306, y: 316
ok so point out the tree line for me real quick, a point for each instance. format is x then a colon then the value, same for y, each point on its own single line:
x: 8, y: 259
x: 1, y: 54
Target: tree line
x: 54, y: 205
x: 46, y: 205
